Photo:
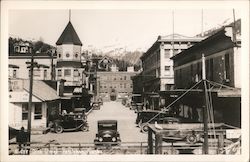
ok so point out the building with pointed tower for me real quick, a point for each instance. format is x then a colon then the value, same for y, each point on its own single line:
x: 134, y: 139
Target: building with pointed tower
x: 69, y: 66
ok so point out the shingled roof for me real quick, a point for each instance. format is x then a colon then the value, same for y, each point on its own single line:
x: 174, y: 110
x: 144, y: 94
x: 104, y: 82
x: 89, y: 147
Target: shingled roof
x: 69, y: 36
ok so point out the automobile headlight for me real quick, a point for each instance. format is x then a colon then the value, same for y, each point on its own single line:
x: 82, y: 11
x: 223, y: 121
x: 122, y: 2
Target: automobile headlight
x: 100, y: 139
x: 113, y: 139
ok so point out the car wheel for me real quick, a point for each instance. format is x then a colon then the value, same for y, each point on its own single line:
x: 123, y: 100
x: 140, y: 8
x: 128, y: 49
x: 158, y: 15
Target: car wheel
x: 144, y: 128
x: 85, y: 128
x: 59, y: 129
x: 191, y: 138
x: 140, y: 123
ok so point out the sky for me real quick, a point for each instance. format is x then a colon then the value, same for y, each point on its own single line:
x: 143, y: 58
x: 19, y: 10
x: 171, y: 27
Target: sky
x: 105, y: 29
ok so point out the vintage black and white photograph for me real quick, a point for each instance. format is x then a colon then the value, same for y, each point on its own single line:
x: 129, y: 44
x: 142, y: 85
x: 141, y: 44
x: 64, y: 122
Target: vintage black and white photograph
x: 112, y: 81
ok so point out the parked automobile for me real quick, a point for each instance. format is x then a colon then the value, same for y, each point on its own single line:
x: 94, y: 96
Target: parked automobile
x: 107, y: 133
x: 70, y: 122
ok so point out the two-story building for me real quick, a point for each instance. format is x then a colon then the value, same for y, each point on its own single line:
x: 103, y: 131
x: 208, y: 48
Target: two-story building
x: 19, y: 59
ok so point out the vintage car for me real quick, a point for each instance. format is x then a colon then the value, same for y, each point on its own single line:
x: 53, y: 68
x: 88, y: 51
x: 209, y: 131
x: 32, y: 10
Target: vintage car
x: 144, y: 117
x: 72, y: 121
x: 107, y: 133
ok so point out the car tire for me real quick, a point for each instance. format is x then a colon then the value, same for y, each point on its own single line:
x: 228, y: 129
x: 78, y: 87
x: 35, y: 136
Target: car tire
x: 144, y: 128
x: 85, y: 128
x: 59, y: 129
x: 140, y: 123
x: 191, y: 138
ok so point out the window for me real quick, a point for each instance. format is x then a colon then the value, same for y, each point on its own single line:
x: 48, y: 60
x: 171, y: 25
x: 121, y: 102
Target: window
x: 167, y: 68
x: 37, y: 72
x: 76, y: 73
x: 14, y: 73
x: 166, y: 53
x: 67, y: 72
x: 227, y: 67
x: 125, y: 77
x: 59, y: 72
x: 45, y: 74
x: 67, y: 54
x: 38, y: 111
x: 76, y: 55
x: 25, y: 111
x: 59, y: 55
x: 125, y: 85
x: 17, y: 49
x: 121, y: 85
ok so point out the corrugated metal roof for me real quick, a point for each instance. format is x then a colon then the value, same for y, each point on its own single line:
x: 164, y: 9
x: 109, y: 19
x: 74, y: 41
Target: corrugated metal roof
x: 69, y: 36
x: 41, y: 90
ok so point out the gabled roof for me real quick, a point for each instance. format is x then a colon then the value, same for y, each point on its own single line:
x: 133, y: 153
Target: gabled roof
x: 41, y: 90
x: 69, y: 36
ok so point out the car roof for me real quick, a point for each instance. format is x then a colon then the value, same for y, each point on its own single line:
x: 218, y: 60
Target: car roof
x: 153, y: 111
x: 107, y: 121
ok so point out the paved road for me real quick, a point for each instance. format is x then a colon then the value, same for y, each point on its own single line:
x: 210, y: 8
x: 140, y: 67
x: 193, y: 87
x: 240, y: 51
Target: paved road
x: 110, y: 110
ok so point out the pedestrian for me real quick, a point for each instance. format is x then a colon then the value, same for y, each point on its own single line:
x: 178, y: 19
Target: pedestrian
x: 21, y: 139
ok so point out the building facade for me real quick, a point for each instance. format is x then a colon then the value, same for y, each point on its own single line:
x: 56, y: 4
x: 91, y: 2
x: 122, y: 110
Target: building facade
x: 19, y: 67
x: 222, y: 67
x: 158, y: 73
x: 120, y: 82
x: 45, y: 104
x: 69, y: 66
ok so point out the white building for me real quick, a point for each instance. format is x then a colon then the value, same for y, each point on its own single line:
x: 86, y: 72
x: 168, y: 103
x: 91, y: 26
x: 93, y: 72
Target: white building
x: 69, y: 66
x: 44, y: 104
x: 18, y: 67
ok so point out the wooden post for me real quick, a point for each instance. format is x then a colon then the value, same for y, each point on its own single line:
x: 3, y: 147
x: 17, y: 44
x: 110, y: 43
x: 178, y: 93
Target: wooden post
x: 220, y: 142
x: 158, y: 143
x: 205, y: 113
x: 150, y: 141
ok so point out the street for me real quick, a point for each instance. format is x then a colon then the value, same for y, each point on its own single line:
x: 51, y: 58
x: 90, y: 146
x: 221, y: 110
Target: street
x: 109, y: 110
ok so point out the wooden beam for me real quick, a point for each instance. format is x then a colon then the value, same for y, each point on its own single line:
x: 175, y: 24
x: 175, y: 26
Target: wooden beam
x: 158, y: 143
x: 150, y: 141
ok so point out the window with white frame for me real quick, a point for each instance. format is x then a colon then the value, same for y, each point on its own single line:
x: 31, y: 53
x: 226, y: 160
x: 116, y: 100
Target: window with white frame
x: 67, y: 72
x: 167, y: 70
x: 14, y: 73
x: 37, y: 72
x: 25, y: 111
x: 76, y: 73
x: 166, y: 53
x: 59, y: 72
x: 38, y: 111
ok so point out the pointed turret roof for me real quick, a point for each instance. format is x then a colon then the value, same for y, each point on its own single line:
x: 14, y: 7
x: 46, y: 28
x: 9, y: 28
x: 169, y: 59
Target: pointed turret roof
x: 69, y: 36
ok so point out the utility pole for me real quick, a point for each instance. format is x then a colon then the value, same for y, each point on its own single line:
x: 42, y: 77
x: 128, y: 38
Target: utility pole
x: 205, y: 113
x: 32, y: 63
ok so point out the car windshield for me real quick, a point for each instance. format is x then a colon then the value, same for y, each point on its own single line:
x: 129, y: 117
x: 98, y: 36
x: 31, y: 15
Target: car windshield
x: 107, y: 125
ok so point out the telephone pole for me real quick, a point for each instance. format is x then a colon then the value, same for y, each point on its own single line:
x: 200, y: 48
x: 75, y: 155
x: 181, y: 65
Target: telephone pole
x: 32, y: 64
